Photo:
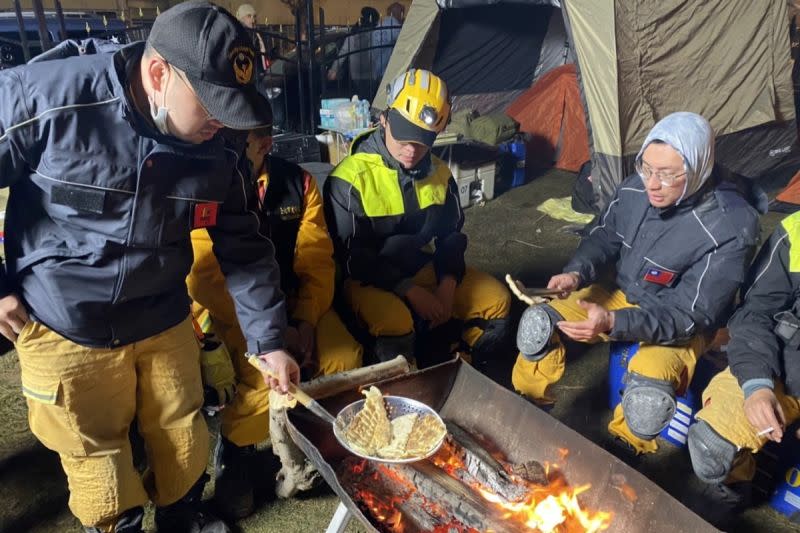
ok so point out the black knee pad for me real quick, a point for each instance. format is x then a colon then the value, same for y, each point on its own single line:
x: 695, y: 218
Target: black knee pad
x: 535, y: 331
x: 712, y: 455
x: 495, y: 333
x: 648, y: 405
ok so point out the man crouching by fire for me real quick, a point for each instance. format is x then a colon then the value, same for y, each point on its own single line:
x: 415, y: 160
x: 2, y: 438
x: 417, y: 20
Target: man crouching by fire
x: 678, y: 241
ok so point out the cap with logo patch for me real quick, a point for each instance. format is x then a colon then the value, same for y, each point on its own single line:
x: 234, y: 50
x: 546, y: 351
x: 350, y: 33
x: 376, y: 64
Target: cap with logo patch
x: 216, y: 53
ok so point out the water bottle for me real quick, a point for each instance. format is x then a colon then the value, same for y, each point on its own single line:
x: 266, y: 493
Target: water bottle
x: 363, y: 114
x: 518, y: 151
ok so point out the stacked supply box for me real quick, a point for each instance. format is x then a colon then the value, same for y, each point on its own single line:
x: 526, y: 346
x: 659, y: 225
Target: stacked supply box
x: 296, y: 147
x: 327, y: 114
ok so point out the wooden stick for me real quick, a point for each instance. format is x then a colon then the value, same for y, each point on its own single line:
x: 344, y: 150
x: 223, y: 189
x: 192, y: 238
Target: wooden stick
x: 333, y: 384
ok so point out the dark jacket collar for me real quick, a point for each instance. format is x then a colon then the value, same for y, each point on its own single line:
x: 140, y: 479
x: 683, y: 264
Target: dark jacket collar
x: 375, y: 143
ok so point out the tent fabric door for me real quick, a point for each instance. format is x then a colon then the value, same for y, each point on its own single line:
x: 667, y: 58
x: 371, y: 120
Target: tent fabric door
x: 552, y: 113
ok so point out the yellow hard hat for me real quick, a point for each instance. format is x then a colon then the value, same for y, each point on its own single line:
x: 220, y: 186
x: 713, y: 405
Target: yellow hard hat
x: 420, y: 97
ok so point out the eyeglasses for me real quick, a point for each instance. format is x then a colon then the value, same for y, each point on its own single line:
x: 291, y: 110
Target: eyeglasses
x: 645, y: 172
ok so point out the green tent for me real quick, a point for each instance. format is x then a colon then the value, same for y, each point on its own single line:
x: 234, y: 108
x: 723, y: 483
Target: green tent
x: 638, y: 61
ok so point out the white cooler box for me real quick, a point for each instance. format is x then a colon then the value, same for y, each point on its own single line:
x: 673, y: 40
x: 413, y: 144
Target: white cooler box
x: 474, y: 184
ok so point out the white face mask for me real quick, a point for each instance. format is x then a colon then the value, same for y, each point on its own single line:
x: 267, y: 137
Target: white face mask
x: 159, y: 114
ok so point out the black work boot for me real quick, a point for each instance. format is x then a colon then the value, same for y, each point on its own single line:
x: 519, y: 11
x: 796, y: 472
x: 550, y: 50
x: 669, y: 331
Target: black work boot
x: 720, y: 504
x: 625, y: 452
x: 234, y: 491
x: 128, y: 522
x: 187, y: 515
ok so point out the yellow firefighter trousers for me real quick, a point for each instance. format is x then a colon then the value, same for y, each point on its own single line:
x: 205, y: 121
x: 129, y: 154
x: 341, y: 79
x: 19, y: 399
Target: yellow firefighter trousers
x: 82, y: 401
x: 723, y: 410
x: 245, y: 421
x: 479, y: 295
x: 674, y: 364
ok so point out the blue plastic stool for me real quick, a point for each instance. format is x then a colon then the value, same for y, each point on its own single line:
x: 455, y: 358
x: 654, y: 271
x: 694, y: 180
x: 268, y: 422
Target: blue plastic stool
x: 675, y: 433
x: 786, y: 496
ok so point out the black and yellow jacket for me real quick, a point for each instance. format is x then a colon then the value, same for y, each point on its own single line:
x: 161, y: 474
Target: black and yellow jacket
x: 292, y: 217
x: 765, y: 330
x: 387, y: 222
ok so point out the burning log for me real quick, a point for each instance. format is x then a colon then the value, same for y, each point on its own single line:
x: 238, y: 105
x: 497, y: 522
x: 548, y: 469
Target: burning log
x: 388, y: 498
x: 464, y: 488
x: 460, y: 501
x: 481, y: 467
x: 425, y: 497
x: 297, y: 472
x: 531, y: 471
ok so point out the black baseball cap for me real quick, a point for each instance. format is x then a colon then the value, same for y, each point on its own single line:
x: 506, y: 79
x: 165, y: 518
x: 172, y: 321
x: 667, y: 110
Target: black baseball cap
x: 403, y: 130
x: 216, y: 53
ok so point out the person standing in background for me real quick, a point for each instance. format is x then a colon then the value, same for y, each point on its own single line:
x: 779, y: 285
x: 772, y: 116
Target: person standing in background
x: 246, y: 14
x: 385, y: 36
x: 356, y: 52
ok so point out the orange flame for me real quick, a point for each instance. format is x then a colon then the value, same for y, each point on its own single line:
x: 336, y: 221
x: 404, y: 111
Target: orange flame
x: 550, y: 509
x: 384, y: 512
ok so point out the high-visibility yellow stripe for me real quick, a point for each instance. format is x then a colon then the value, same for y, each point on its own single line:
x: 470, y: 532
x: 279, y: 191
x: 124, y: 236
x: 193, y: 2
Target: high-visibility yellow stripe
x: 792, y: 226
x: 380, y: 189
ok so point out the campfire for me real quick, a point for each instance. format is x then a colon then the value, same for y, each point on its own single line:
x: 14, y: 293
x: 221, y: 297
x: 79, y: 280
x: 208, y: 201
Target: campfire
x: 506, y: 466
x: 466, y: 488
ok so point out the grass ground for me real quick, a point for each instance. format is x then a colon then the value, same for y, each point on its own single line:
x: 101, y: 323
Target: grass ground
x: 507, y: 235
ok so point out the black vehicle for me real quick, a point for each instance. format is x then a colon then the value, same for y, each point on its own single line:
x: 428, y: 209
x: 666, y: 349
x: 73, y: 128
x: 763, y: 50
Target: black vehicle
x: 79, y: 25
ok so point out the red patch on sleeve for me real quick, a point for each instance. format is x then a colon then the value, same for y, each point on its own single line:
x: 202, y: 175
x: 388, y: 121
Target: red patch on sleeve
x: 205, y: 215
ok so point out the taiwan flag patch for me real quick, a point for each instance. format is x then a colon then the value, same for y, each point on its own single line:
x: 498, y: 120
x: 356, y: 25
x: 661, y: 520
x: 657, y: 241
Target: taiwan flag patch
x: 205, y: 215
x: 659, y: 277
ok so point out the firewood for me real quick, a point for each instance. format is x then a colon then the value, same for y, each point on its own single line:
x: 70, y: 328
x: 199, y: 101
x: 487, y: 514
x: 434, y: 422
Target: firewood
x: 462, y: 502
x: 330, y: 385
x: 483, y: 468
x: 531, y: 471
x: 382, y: 496
x: 426, y: 496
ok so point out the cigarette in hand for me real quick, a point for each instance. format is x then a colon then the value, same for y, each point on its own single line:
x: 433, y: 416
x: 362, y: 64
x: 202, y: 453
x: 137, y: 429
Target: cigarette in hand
x: 765, y: 431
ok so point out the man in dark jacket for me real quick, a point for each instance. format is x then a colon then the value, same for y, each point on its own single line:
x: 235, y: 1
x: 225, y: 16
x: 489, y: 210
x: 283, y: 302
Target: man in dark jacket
x: 112, y: 159
x: 292, y: 216
x: 395, y: 218
x: 758, y: 397
x: 679, y: 244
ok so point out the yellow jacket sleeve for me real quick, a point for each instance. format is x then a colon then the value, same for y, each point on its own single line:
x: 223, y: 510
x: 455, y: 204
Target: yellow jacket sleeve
x: 206, y: 283
x: 313, y: 259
